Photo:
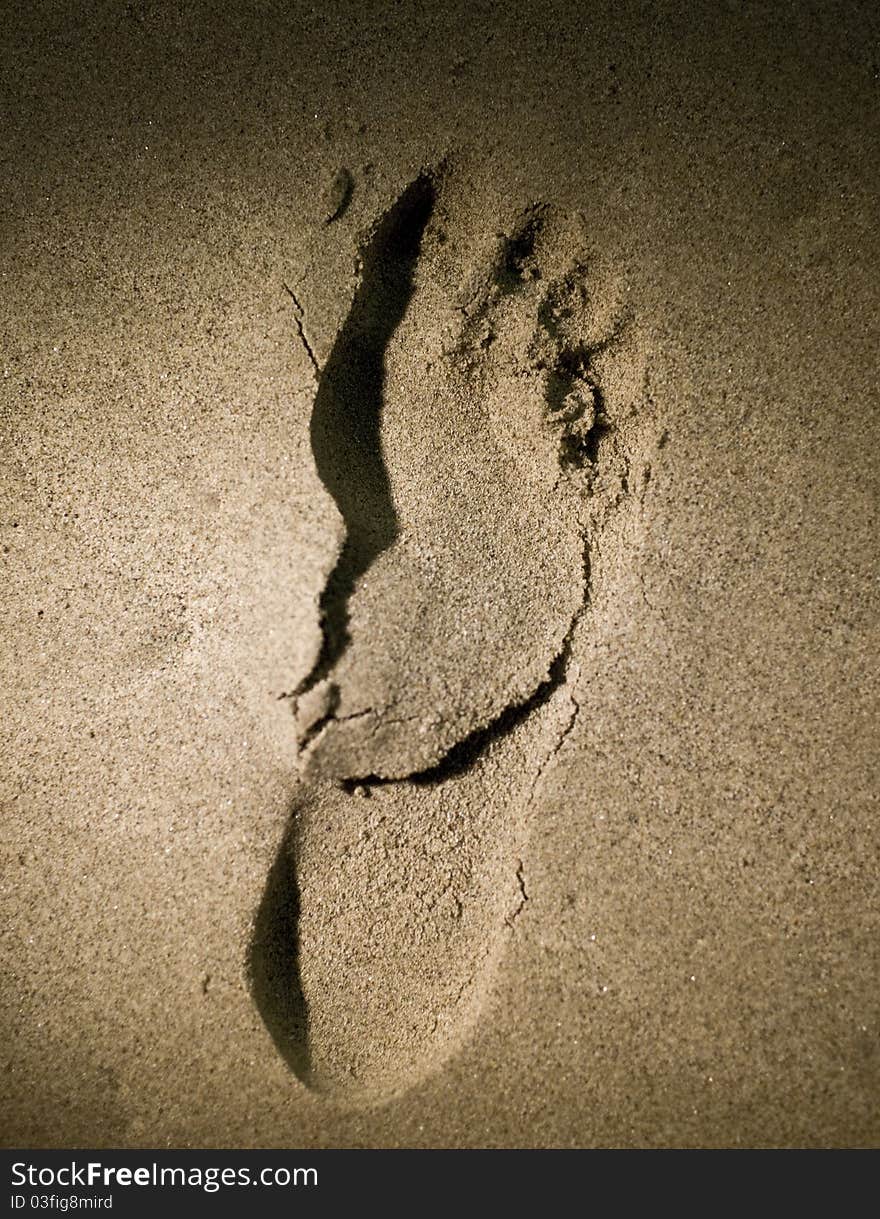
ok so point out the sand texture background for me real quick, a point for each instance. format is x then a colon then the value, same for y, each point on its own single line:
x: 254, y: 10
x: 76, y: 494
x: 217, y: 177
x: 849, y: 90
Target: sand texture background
x: 439, y: 605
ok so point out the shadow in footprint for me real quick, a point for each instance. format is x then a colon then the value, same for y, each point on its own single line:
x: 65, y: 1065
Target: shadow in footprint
x: 273, y: 959
x: 347, y: 414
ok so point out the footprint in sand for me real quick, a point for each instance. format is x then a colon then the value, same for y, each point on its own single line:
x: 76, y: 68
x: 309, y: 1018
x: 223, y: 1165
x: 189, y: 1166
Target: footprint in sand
x: 465, y: 424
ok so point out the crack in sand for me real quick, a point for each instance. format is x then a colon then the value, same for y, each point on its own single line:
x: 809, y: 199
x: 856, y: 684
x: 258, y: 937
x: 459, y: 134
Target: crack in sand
x: 523, y: 896
x: 312, y: 736
x: 299, y: 321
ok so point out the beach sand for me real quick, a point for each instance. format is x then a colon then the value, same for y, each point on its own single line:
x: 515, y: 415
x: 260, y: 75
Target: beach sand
x: 439, y: 600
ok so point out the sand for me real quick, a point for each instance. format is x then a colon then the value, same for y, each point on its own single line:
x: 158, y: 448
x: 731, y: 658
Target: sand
x: 439, y: 510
